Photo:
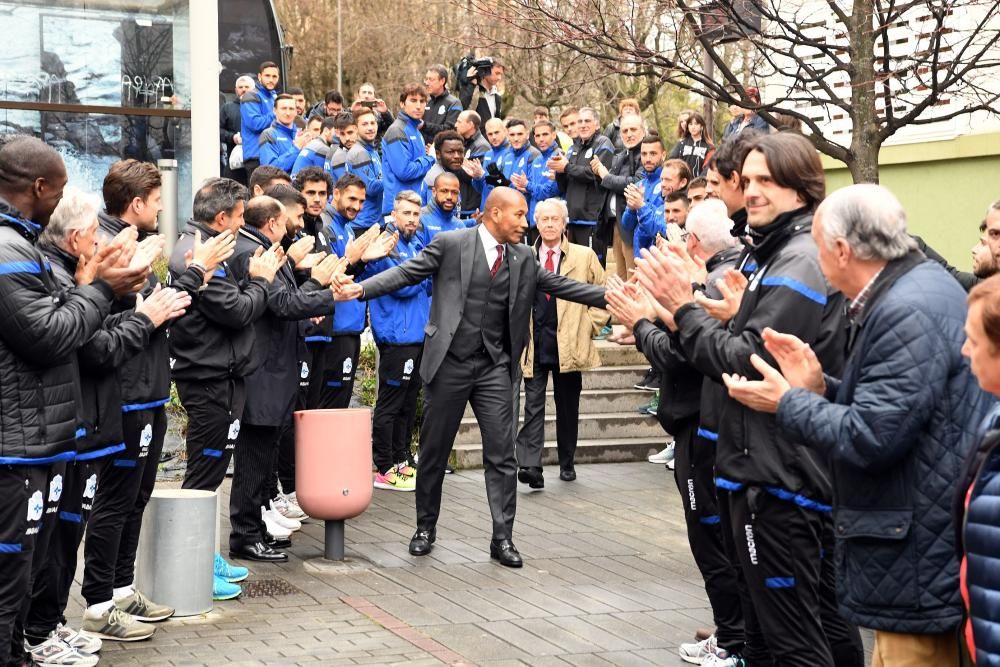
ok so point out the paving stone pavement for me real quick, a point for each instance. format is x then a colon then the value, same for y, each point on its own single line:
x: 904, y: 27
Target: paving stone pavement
x: 608, y: 580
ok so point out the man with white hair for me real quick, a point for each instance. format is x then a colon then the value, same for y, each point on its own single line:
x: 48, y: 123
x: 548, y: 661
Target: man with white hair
x: 896, y: 425
x: 560, y: 342
x: 229, y: 130
x: 688, y: 408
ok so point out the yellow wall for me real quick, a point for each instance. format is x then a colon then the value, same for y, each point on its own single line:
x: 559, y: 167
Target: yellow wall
x: 945, y: 186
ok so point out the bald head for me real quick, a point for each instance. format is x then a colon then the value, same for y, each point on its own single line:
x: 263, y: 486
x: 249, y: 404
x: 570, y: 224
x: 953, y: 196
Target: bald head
x: 32, y: 176
x: 496, y: 132
x: 505, y: 215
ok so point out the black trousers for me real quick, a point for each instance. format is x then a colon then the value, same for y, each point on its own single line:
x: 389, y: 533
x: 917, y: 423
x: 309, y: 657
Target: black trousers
x: 531, y: 437
x: 332, y: 379
x: 786, y: 553
x: 255, y: 450
x: 27, y: 518
x: 396, y: 407
x: 284, y: 458
x: 249, y: 165
x: 487, y: 386
x: 50, y: 593
x: 587, y: 235
x: 214, y: 410
x: 694, y: 474
x: 127, y: 481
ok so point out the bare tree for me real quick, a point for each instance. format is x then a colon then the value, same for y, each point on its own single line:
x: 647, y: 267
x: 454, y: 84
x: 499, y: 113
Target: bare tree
x: 854, y: 73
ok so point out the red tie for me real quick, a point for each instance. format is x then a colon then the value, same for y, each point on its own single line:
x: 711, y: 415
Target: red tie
x: 497, y: 262
x: 550, y: 267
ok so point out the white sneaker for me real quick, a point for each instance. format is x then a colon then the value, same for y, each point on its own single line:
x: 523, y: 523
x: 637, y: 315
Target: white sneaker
x: 721, y: 660
x: 665, y: 455
x: 54, y: 651
x: 283, y: 521
x: 273, y: 527
x: 78, y: 639
x: 287, y: 508
x: 697, y: 653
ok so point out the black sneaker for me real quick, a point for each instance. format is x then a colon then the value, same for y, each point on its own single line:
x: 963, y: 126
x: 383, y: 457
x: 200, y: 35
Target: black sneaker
x: 649, y: 382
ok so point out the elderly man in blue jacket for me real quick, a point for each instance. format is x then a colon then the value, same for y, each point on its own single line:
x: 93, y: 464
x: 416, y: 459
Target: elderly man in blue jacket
x: 896, y: 425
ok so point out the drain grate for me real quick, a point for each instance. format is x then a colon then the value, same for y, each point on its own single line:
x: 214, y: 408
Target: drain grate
x: 268, y: 588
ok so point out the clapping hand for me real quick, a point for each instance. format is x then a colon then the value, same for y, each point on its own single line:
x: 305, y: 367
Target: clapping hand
x: 211, y: 253
x: 665, y: 278
x: 519, y: 181
x: 474, y: 168
x: 147, y: 251
x: 731, y: 286
x: 264, y: 264
x: 634, y: 196
x: 331, y: 267
x: 799, y: 364
x: 110, y: 263
x: 629, y: 305
x: 163, y: 304
x: 381, y: 246
x: 298, y: 250
x: 357, y: 247
x: 697, y: 273
x: 763, y: 395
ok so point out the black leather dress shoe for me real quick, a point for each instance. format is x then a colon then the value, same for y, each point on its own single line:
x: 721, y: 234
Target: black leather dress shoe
x: 567, y: 475
x: 422, y: 542
x: 277, y: 542
x: 505, y: 552
x: 532, y: 477
x: 260, y: 552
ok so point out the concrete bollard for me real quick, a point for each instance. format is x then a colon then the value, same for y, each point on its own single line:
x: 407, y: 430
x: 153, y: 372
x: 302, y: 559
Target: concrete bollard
x: 333, y: 469
x: 176, y: 557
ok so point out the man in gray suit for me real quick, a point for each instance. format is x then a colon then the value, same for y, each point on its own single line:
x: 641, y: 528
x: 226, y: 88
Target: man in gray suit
x: 484, y: 287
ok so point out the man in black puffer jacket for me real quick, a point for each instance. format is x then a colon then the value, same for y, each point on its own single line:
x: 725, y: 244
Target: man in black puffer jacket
x: 780, y: 491
x: 72, y: 232
x: 43, y: 327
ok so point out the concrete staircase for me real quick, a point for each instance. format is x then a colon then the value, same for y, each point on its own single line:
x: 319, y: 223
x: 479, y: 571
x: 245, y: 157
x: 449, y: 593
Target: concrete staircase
x: 611, y: 428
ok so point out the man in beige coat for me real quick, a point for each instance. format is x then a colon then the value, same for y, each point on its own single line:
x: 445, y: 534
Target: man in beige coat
x: 560, y: 342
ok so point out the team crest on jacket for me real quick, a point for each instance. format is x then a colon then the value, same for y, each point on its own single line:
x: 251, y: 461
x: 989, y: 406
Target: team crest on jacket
x: 35, y: 506
x: 408, y: 367
x: 348, y: 366
x: 55, y: 489
x: 304, y: 371
x: 234, y: 429
x: 90, y: 489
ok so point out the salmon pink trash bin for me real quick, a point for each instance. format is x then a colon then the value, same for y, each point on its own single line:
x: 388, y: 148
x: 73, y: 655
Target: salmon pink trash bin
x: 333, y: 469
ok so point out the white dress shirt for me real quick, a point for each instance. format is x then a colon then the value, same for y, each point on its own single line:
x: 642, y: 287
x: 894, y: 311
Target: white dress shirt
x: 489, y: 245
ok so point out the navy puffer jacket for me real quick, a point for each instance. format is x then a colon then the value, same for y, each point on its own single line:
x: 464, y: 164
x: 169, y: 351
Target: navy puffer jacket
x: 896, y: 428
x: 43, y: 326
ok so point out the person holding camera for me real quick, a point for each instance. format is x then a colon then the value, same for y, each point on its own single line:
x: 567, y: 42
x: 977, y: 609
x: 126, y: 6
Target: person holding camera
x: 478, y: 84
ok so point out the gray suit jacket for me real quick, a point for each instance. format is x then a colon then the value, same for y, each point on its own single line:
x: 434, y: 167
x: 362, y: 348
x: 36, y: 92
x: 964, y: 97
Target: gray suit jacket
x: 448, y: 258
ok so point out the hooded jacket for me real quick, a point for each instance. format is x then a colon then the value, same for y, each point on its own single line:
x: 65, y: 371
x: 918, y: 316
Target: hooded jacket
x: 256, y: 115
x: 404, y: 159
x: 44, y: 325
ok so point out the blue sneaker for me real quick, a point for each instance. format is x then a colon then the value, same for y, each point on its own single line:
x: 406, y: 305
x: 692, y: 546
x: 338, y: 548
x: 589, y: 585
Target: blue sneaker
x: 231, y: 573
x: 223, y: 590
